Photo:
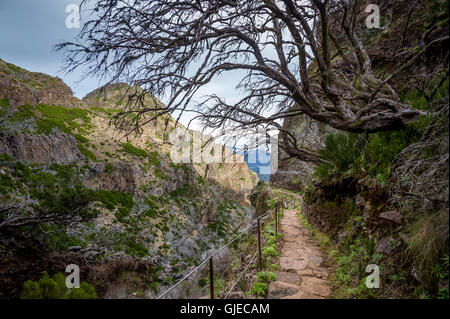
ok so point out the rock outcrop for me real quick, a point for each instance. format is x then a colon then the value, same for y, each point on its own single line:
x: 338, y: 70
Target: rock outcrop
x: 293, y: 173
x: 59, y: 148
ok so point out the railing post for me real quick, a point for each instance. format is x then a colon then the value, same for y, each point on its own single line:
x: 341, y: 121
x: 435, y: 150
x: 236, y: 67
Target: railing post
x: 211, y: 278
x: 259, y: 246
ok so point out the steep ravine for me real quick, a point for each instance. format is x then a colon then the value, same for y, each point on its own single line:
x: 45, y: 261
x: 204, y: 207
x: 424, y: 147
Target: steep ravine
x: 147, y: 220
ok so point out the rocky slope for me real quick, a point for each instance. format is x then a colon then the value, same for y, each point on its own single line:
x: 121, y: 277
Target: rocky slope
x: 149, y: 219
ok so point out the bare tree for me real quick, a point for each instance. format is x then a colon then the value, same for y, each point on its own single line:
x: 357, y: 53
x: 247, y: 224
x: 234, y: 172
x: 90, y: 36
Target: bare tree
x: 292, y: 58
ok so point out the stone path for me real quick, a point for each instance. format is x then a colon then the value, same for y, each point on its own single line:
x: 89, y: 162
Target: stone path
x: 301, y: 275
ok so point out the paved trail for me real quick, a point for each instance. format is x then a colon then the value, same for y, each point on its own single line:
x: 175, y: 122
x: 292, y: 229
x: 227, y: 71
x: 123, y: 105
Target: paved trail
x: 301, y: 275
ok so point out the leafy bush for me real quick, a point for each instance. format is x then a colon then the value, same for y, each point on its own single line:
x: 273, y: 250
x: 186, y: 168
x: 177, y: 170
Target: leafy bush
x: 113, y: 198
x: 67, y: 202
x: 270, y: 251
x: 260, y: 289
x: 87, y: 153
x: 266, y: 276
x: 55, y: 288
x: 373, y: 154
x: 56, y: 194
x: 62, y: 118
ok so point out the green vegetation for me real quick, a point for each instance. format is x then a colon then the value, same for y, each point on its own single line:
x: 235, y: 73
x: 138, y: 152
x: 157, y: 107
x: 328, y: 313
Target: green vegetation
x: 112, y: 198
x: 4, y: 104
x: 428, y: 247
x: 219, y: 284
x: 373, y: 154
x: 58, y: 194
x: 55, y: 288
x: 266, y: 276
x: 418, y: 249
x: 270, y: 251
x: 270, y: 254
x: 153, y: 157
x: 318, y: 236
x: 106, y: 111
x: 108, y: 168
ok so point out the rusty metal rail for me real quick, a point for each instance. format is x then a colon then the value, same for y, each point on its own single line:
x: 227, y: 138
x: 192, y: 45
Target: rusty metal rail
x: 209, y: 259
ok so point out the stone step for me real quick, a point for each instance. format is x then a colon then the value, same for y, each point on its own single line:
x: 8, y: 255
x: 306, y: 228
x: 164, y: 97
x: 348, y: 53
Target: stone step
x: 302, y: 295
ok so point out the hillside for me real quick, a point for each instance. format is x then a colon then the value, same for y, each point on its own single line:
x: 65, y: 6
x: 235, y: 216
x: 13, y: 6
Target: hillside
x: 75, y: 186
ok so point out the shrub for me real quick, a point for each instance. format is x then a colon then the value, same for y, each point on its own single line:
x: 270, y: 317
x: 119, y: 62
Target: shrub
x: 428, y: 243
x: 372, y: 154
x: 61, y: 117
x: 108, y: 168
x: 55, y: 288
x: 87, y: 153
x: 113, y: 198
x: 131, y: 149
x: 341, y: 153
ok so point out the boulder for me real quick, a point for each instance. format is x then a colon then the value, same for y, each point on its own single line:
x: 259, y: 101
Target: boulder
x: 289, y: 278
x: 367, y: 209
x: 392, y: 215
x: 278, y: 289
x: 58, y: 148
x: 315, y: 260
x: 384, y: 245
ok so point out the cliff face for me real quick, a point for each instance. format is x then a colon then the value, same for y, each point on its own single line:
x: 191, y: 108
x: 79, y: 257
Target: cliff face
x: 147, y: 209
